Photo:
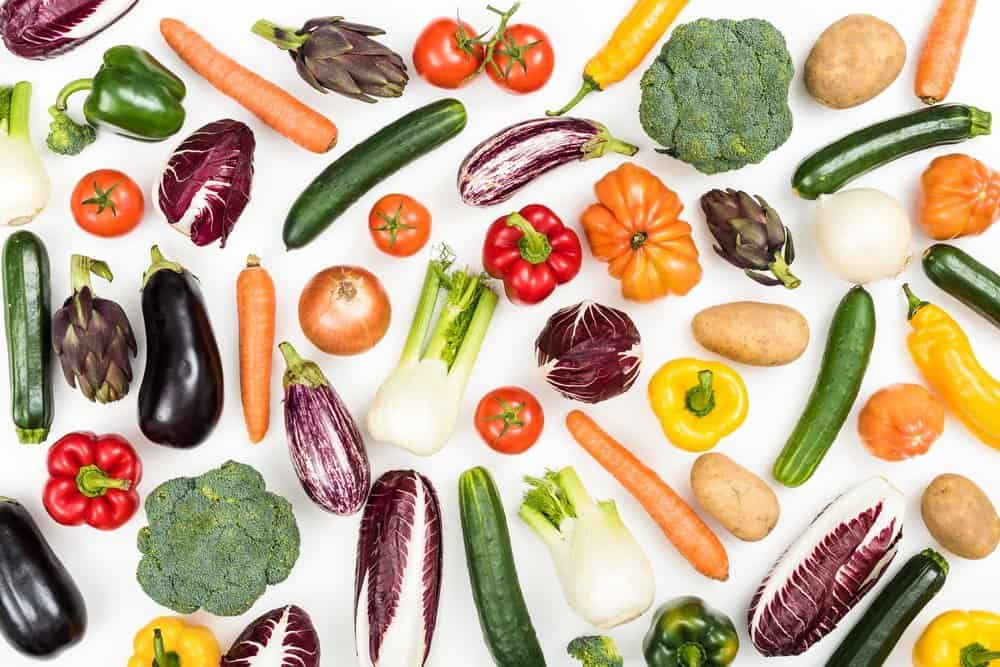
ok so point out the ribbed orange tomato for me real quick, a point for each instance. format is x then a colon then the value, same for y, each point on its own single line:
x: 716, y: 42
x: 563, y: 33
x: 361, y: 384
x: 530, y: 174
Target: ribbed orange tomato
x: 635, y: 229
x: 959, y: 196
x: 900, y: 421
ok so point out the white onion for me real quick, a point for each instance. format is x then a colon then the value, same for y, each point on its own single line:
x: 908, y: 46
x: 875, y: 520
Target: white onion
x: 864, y: 235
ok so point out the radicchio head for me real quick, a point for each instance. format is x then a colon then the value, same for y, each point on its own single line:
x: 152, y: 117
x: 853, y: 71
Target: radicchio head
x: 39, y: 29
x: 206, y: 184
x: 283, y: 637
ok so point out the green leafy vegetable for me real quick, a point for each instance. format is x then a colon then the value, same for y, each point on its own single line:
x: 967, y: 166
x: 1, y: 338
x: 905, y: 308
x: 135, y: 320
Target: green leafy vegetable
x: 595, y: 651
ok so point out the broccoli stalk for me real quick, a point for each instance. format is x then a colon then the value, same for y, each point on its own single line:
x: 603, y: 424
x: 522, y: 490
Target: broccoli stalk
x: 595, y: 651
x: 66, y: 136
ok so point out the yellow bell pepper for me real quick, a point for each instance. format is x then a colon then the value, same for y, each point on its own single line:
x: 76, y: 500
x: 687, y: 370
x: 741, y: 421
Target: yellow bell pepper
x: 697, y: 402
x: 170, y: 642
x: 634, y: 37
x: 959, y: 639
x: 944, y: 356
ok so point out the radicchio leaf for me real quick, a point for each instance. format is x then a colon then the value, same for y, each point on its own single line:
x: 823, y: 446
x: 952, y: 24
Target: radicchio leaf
x: 206, y: 184
x: 398, y: 573
x: 589, y: 352
x: 827, y: 571
x: 40, y: 29
x: 283, y: 637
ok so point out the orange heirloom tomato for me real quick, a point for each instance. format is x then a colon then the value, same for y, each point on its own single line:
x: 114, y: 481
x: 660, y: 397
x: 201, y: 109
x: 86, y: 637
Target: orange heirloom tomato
x: 635, y: 229
x: 959, y: 196
x: 900, y: 421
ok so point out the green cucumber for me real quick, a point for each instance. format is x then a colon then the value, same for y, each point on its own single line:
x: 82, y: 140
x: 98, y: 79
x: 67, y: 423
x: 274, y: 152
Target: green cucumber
x: 27, y: 316
x: 961, y: 276
x: 874, y: 636
x: 845, y: 360
x: 366, y: 164
x: 831, y: 167
x: 503, y: 615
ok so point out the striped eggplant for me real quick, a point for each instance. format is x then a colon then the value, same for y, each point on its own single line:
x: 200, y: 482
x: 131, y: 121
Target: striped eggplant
x: 39, y: 29
x: 325, y: 444
x: 512, y: 158
x: 397, y: 581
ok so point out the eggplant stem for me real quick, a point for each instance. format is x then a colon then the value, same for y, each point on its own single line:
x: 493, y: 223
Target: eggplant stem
x: 299, y: 370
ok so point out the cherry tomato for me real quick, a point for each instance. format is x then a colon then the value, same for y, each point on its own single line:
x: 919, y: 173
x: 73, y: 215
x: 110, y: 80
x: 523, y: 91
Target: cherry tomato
x: 107, y: 203
x: 445, y: 54
x: 509, y: 420
x: 523, y: 60
x: 399, y: 225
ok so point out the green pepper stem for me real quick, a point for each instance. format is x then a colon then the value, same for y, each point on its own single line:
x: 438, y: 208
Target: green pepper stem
x: 977, y: 655
x: 534, y: 246
x: 93, y: 482
x: 914, y: 302
x: 158, y: 263
x: 70, y: 88
x: 783, y: 272
x: 690, y: 654
x: 700, y: 399
x: 284, y: 38
x: 300, y: 371
x: 80, y: 268
x: 589, y: 86
x: 161, y: 658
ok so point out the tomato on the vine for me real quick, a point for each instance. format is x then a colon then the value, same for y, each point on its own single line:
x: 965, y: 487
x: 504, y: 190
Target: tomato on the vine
x: 447, y: 53
x: 509, y: 420
x: 399, y: 225
x: 106, y: 202
x: 522, y: 60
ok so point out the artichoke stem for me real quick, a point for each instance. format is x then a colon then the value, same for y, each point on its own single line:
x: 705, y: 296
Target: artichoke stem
x: 287, y: 39
x: 80, y: 268
x: 783, y: 272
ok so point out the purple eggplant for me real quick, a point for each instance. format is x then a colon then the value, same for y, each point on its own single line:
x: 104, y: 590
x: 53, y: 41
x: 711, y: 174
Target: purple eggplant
x: 327, y: 450
x: 40, y: 29
x: 283, y: 637
x: 397, y: 582
x: 512, y: 158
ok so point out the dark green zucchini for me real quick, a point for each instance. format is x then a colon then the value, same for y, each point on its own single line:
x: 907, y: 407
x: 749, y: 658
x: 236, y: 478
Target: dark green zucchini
x: 503, y: 615
x: 845, y: 360
x: 831, y: 167
x: 366, y: 164
x: 961, y: 276
x: 27, y: 316
x: 876, y: 634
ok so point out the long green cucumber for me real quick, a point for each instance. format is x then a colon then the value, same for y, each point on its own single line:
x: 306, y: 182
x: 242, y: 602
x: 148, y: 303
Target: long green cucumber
x: 961, y: 276
x: 366, y: 164
x: 27, y: 315
x: 503, y: 614
x: 845, y: 360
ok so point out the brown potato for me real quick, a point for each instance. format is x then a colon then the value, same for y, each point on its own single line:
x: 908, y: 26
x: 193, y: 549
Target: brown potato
x: 738, y: 499
x: 960, y: 516
x: 758, y: 334
x: 854, y: 60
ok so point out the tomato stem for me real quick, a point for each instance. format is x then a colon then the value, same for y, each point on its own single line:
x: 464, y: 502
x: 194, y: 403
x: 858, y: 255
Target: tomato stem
x: 392, y: 224
x: 102, y: 199
x: 510, y: 415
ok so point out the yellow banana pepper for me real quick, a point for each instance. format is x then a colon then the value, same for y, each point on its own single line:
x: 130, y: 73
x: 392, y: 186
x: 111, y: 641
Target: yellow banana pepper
x: 697, y: 402
x: 637, y: 33
x: 170, y: 642
x: 959, y: 639
x: 944, y: 356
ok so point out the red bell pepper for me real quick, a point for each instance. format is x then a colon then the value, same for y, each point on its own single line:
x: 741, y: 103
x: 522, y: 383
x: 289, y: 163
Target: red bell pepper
x: 92, y: 480
x: 532, y: 252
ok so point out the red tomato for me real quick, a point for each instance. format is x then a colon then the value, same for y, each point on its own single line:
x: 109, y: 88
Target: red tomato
x: 523, y: 60
x: 399, y: 225
x: 107, y: 203
x: 445, y: 55
x: 509, y: 420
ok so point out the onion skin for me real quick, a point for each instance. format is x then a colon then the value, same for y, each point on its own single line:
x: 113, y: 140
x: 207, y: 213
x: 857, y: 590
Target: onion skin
x: 344, y: 310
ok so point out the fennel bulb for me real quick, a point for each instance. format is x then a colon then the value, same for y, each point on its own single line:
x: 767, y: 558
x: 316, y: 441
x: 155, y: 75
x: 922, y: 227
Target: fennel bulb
x: 25, y: 190
x: 605, y: 575
x: 416, y: 407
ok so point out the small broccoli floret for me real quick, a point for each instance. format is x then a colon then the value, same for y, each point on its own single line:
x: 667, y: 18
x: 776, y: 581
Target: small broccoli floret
x: 717, y: 95
x: 216, y: 541
x: 595, y: 651
x: 66, y: 136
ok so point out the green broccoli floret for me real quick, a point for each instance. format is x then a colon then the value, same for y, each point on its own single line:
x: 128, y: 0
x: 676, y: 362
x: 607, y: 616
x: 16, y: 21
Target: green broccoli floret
x: 595, y: 651
x: 66, y: 136
x: 216, y: 541
x: 717, y: 95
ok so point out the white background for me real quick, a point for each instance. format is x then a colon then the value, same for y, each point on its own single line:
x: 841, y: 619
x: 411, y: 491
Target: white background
x: 103, y: 564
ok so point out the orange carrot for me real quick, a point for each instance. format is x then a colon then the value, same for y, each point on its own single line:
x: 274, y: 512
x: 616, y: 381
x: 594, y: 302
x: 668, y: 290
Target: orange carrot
x: 272, y: 104
x: 943, y: 49
x: 685, y: 529
x: 255, y: 305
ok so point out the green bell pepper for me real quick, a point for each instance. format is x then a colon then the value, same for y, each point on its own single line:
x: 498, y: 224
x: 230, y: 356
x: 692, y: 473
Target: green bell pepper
x: 688, y: 633
x: 132, y: 94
